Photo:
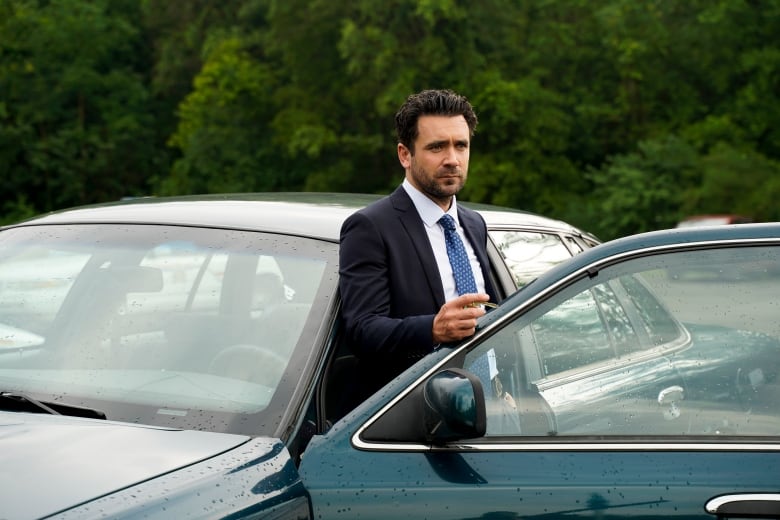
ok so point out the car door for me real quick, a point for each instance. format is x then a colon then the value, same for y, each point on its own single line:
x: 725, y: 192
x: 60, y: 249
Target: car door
x: 666, y: 407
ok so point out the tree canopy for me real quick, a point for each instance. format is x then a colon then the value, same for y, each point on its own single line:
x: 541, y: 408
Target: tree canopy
x: 615, y: 115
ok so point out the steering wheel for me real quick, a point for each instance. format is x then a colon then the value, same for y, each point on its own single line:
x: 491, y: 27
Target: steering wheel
x: 255, y: 363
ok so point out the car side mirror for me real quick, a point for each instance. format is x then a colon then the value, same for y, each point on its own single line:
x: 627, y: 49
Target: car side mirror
x: 449, y: 406
x: 454, y: 406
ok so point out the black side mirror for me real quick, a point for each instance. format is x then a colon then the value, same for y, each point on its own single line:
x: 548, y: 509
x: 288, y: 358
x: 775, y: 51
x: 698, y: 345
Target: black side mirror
x: 454, y: 406
x: 449, y: 406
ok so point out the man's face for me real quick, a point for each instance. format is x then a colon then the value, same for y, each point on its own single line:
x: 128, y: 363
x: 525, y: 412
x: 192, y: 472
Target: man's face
x: 440, y: 163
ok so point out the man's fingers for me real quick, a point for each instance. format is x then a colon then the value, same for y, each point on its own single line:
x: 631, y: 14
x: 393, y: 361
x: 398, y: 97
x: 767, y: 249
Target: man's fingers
x: 468, y: 326
x: 469, y: 299
x: 457, y: 319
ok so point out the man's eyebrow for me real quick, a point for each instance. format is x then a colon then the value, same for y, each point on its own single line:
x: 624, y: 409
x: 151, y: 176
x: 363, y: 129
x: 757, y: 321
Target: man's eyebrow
x: 434, y: 144
x: 443, y: 142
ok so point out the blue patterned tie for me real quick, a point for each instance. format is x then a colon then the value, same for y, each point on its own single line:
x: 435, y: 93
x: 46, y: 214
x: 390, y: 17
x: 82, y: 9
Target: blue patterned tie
x: 481, y: 368
x: 464, y: 283
x: 459, y: 260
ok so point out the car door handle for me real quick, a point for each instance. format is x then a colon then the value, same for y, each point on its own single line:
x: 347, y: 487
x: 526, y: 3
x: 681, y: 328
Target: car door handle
x: 745, y: 505
x: 669, y: 397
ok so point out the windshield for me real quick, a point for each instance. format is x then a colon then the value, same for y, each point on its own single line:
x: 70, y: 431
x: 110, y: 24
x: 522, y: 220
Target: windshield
x: 174, y: 326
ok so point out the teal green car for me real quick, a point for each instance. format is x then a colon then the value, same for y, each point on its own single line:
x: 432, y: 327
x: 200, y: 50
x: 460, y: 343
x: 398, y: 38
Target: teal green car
x: 184, y: 358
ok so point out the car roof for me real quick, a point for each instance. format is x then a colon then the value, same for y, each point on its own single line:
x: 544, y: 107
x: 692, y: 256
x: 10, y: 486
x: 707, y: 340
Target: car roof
x: 319, y: 214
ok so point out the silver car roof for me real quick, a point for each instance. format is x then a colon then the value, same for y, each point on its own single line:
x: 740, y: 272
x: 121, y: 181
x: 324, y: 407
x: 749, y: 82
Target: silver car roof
x: 318, y: 215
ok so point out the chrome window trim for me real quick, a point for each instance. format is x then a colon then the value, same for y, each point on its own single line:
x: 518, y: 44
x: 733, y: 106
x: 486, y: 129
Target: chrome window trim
x: 561, y: 443
x: 714, y: 504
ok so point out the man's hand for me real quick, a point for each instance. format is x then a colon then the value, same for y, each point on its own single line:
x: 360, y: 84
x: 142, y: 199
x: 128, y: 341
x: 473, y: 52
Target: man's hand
x: 457, y: 318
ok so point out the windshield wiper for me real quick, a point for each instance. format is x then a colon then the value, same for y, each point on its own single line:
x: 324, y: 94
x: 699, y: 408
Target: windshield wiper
x: 18, y: 402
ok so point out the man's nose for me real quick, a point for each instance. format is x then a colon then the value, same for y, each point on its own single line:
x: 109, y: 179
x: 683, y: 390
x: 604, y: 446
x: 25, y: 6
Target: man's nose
x: 451, y: 156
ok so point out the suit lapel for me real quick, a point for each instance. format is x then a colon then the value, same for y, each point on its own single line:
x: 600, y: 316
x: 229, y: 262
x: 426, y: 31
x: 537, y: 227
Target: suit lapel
x: 415, y: 229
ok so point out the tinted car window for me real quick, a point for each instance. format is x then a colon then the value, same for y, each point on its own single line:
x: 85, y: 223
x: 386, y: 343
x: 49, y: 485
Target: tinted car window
x: 635, y: 351
x: 202, y: 328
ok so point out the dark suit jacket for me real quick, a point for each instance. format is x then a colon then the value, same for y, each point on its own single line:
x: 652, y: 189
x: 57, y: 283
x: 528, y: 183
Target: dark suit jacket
x: 390, y: 285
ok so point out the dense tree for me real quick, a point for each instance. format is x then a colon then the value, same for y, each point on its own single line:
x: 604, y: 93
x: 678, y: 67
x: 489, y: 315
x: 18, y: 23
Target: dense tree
x: 74, y: 119
x: 616, y: 115
x: 224, y: 127
x: 641, y: 191
x: 177, y: 34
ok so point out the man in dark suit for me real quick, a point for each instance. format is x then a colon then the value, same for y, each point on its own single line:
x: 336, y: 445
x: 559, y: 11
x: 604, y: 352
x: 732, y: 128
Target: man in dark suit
x: 399, y: 294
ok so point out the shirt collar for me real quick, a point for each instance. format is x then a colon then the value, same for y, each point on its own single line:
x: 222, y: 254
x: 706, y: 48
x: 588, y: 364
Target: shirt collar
x: 429, y: 211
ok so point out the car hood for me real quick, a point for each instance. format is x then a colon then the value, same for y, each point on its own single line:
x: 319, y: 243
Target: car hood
x: 51, y: 463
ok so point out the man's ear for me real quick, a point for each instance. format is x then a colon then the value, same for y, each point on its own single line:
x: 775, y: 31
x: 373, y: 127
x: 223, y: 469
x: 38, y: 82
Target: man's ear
x: 404, y: 156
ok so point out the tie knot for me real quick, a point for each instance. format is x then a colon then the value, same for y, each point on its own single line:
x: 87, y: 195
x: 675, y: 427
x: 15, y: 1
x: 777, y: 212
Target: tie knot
x: 447, y: 222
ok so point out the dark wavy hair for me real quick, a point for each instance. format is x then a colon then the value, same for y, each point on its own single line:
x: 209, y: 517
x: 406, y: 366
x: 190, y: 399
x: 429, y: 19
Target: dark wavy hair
x: 431, y: 103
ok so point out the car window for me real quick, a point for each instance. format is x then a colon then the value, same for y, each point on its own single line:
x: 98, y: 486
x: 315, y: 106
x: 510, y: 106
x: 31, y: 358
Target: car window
x: 173, y: 326
x: 528, y: 254
x: 637, y: 350
x: 575, y: 245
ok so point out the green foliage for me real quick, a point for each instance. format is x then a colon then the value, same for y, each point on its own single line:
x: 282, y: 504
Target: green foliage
x: 16, y: 210
x: 741, y: 180
x: 642, y: 191
x: 616, y: 115
x: 74, y: 124
x: 525, y: 131
x: 224, y: 129
x: 175, y: 33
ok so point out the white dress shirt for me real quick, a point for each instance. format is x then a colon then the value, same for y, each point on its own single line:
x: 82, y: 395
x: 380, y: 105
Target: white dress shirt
x: 430, y: 213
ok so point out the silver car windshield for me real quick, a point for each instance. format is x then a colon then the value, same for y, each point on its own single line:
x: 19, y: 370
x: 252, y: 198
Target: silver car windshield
x: 174, y: 326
